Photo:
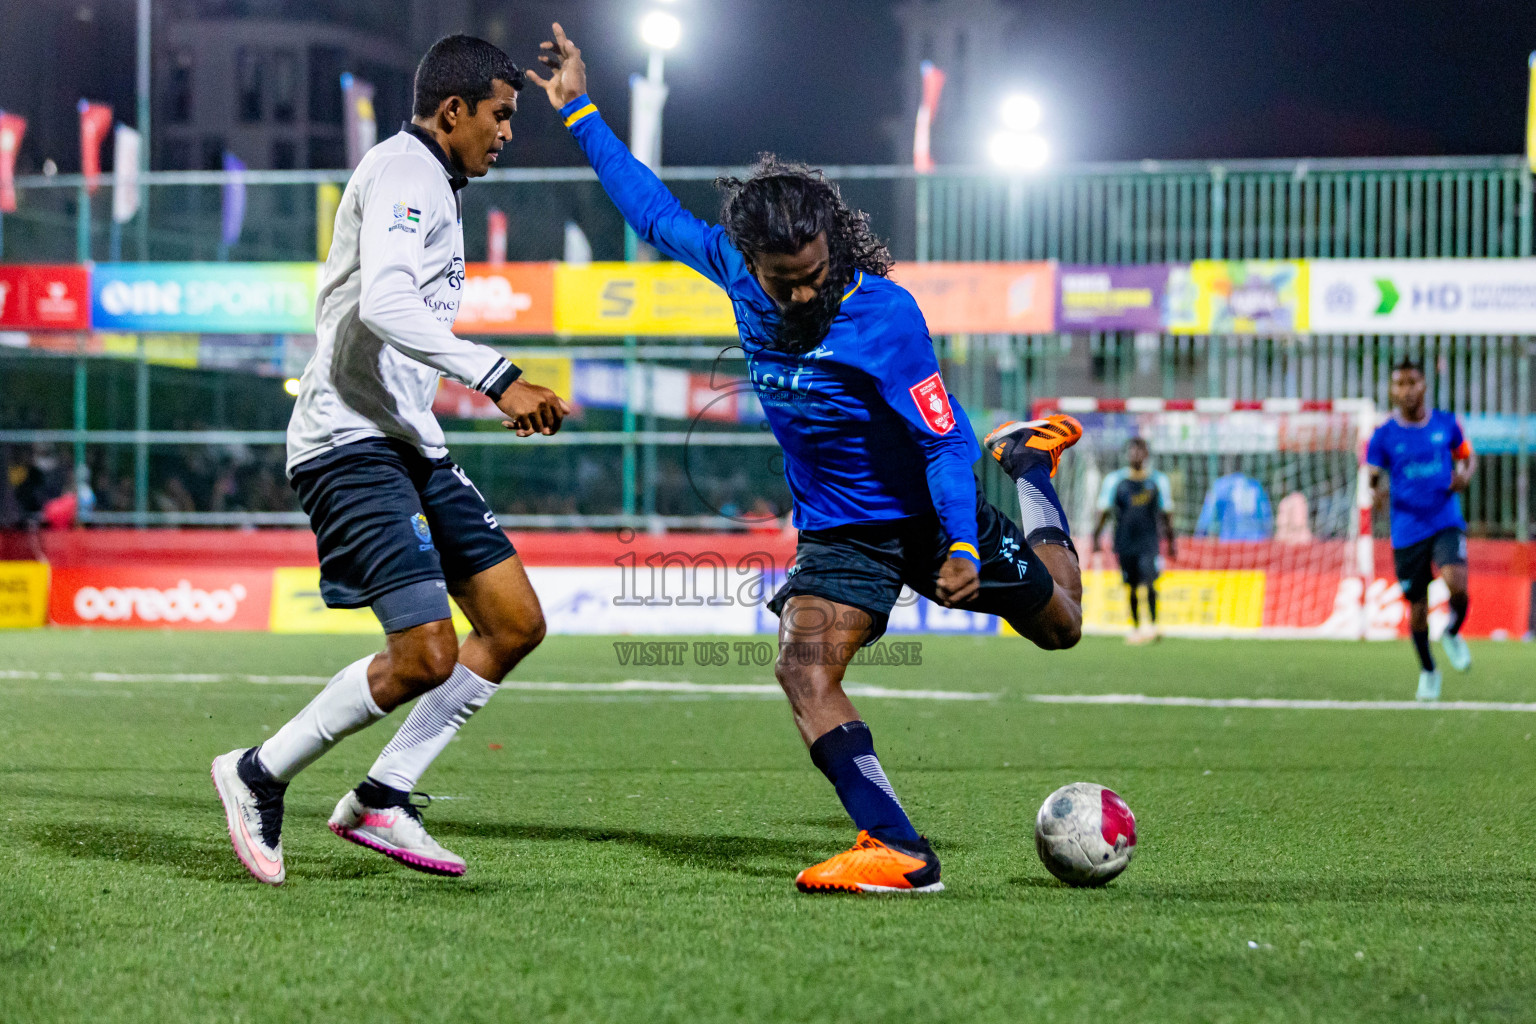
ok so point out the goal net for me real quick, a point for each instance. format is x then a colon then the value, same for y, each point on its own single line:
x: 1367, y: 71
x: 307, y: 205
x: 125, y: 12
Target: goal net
x: 1271, y: 508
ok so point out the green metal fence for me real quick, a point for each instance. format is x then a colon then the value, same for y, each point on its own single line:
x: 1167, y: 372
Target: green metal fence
x: 1120, y: 213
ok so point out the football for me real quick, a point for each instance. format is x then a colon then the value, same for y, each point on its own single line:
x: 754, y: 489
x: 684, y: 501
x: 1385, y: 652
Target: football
x: 1085, y: 834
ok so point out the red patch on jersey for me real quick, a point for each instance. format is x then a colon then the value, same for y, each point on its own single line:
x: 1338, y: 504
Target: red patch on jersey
x: 933, y: 404
x: 1117, y: 819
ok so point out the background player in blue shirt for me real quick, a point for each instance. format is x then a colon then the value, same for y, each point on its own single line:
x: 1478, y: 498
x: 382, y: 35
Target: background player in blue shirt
x: 877, y: 455
x: 1140, y: 500
x: 1426, y: 460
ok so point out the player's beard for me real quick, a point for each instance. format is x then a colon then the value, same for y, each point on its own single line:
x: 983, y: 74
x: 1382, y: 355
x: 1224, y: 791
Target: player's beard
x: 802, y: 327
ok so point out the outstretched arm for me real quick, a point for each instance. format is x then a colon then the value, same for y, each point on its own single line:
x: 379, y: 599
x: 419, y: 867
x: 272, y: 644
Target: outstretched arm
x: 647, y: 205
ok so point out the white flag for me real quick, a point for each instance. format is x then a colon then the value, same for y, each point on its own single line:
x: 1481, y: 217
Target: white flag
x: 578, y: 251
x: 125, y: 174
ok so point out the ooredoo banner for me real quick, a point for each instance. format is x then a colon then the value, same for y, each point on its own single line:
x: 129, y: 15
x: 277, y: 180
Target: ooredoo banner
x: 177, y: 598
x: 1423, y: 296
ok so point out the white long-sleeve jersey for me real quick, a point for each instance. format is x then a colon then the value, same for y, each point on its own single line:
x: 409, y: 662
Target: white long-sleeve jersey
x: 389, y: 294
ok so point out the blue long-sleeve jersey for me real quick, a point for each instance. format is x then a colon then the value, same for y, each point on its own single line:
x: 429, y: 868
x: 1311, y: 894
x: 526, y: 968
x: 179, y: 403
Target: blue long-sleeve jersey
x: 868, y: 430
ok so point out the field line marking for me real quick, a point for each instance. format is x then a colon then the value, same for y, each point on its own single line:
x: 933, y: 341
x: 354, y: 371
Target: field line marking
x: 624, y: 686
x: 1276, y: 703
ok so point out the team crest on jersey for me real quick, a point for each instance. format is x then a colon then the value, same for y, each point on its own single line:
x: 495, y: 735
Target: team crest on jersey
x: 933, y: 404
x: 406, y: 218
x: 423, y: 531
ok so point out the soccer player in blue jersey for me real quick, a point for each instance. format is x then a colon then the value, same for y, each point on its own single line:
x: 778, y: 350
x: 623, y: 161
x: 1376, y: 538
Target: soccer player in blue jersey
x: 1425, y: 460
x: 877, y: 455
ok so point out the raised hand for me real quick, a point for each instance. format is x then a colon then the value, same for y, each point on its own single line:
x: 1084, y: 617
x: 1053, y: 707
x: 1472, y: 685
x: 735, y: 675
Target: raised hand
x: 567, y: 74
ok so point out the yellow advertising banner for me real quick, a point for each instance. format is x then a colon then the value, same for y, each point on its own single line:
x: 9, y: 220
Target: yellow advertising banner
x: 1186, y: 598
x: 23, y: 594
x: 1237, y: 297
x: 298, y: 608
x: 655, y: 299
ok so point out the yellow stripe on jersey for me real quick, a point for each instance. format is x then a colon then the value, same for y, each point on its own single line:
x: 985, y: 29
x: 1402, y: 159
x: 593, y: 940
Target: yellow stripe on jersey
x: 969, y: 549
x: 855, y: 287
x: 577, y: 115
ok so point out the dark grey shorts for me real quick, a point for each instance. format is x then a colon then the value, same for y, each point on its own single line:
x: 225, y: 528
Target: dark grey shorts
x: 393, y: 527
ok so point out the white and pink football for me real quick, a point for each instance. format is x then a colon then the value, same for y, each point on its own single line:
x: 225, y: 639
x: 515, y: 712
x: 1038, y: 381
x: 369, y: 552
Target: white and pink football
x: 1085, y: 834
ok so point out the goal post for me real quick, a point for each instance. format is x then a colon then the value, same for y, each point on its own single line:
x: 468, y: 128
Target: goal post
x: 1271, y: 508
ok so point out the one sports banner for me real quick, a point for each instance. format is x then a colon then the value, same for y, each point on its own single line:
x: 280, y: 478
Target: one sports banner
x: 1237, y: 297
x: 362, y: 126
x: 1482, y: 296
x: 23, y: 594
x: 214, y: 298
x: 95, y: 122
x: 1111, y: 298
x: 12, y: 128
x: 46, y: 298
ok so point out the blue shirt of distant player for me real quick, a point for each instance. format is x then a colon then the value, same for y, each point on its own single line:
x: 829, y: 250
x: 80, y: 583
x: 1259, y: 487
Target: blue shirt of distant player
x: 1419, y: 460
x: 868, y: 430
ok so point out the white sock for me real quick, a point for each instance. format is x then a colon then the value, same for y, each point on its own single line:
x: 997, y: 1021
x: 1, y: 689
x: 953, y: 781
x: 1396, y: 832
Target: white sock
x: 428, y: 728
x: 339, y: 710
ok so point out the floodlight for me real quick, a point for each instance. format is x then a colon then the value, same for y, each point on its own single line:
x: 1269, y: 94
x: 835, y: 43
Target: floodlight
x: 660, y: 30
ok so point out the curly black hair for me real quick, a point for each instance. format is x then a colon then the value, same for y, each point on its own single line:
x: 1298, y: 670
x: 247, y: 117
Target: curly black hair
x: 781, y: 206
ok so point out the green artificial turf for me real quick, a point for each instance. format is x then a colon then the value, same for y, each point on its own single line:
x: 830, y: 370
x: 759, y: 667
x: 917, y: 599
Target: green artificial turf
x: 632, y: 855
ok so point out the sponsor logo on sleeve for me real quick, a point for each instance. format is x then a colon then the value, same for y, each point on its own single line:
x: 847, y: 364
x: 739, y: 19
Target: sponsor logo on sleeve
x: 933, y: 404
x: 407, y: 218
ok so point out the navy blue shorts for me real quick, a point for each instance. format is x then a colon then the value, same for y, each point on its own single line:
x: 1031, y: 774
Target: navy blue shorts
x: 866, y: 564
x: 1416, y: 563
x: 388, y: 519
x: 1139, y: 569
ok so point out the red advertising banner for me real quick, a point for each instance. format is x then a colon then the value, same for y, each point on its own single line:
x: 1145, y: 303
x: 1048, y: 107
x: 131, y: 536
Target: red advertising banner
x: 46, y: 298
x: 165, y: 597
x: 12, y: 128
x: 513, y: 298
x: 95, y: 123
x: 982, y: 298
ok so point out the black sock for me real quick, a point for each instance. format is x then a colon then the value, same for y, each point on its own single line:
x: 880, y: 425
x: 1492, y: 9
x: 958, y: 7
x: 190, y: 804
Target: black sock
x: 372, y: 793
x: 1458, y: 613
x: 1421, y: 645
x: 1135, y: 609
x: 1152, y: 603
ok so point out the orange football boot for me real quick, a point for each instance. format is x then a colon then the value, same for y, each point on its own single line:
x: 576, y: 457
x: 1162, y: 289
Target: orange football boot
x: 876, y: 866
x: 1018, y: 443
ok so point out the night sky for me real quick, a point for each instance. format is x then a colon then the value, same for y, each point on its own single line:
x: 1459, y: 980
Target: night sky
x: 818, y: 79
x: 1122, y: 80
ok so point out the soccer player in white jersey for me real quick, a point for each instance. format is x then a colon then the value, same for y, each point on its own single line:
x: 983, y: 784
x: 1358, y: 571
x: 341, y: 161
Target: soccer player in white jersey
x: 399, y: 527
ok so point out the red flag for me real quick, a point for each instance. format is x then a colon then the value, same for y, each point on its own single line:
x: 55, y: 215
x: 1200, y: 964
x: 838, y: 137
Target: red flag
x: 495, y: 237
x: 95, y: 123
x: 933, y: 85
x: 12, y: 128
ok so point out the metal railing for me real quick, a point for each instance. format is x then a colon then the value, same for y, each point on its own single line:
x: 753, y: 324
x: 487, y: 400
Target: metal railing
x: 1112, y: 213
